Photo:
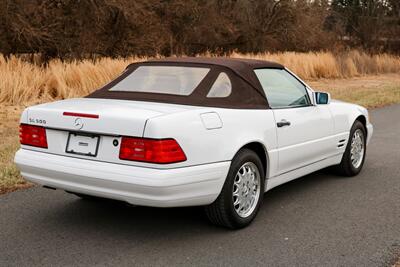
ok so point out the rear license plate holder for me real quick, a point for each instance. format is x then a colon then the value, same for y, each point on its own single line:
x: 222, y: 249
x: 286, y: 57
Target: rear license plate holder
x: 82, y: 144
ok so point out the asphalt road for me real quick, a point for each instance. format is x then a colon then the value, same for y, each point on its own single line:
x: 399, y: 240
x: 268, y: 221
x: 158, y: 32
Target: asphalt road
x: 319, y: 220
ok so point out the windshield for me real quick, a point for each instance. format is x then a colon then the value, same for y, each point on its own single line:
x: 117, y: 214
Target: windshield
x: 175, y: 80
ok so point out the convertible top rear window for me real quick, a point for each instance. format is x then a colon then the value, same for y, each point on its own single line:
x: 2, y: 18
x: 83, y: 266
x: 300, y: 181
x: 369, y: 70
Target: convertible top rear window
x: 175, y: 80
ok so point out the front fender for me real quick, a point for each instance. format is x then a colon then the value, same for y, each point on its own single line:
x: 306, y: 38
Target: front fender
x: 345, y: 114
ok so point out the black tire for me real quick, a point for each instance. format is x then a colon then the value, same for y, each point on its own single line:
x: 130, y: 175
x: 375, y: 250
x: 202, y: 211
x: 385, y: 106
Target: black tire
x: 346, y: 168
x: 222, y: 211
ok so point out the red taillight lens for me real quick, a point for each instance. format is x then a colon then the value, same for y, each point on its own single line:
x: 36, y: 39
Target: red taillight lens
x: 32, y: 135
x: 151, y: 150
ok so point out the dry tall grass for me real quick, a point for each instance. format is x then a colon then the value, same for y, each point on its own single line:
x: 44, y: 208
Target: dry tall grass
x: 22, y: 82
x: 316, y: 65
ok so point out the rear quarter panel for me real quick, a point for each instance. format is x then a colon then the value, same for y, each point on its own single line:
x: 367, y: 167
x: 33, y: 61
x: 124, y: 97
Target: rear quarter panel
x: 201, y: 145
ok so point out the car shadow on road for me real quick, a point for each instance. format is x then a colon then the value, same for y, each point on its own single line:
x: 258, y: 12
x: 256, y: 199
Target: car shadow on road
x: 121, y: 218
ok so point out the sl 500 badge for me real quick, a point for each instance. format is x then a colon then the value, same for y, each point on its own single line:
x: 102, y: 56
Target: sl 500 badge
x: 37, y: 121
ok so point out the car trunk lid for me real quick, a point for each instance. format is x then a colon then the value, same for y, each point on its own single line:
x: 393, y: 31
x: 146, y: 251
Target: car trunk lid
x: 103, y: 116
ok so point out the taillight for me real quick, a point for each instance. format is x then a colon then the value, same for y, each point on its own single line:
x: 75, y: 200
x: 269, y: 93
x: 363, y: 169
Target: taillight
x: 151, y: 150
x: 32, y: 135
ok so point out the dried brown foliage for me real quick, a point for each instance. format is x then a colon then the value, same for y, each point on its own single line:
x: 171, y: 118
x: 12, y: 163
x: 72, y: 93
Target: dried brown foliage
x: 88, y: 28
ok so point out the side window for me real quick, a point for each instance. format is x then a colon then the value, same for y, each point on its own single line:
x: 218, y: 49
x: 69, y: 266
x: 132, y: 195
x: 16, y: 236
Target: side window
x: 222, y: 86
x: 282, y: 89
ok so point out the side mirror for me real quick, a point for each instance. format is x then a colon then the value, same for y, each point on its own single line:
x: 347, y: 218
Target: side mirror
x: 322, y: 98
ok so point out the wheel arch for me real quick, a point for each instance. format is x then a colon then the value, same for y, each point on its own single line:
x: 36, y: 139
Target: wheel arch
x: 363, y: 120
x: 261, y: 151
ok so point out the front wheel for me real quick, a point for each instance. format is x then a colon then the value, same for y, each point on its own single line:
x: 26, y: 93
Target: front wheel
x: 242, y: 194
x: 354, y: 155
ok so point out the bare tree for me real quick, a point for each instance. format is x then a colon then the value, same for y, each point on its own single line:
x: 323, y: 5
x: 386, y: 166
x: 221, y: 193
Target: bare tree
x: 78, y: 28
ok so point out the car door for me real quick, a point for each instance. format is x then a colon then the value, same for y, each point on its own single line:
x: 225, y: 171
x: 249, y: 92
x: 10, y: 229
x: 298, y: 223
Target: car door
x: 304, y: 130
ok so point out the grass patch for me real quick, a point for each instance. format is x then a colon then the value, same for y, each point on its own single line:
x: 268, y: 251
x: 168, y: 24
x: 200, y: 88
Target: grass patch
x: 369, y: 91
x: 10, y: 179
x: 368, y: 97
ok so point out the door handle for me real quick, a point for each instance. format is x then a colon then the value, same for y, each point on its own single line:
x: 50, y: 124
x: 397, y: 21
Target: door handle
x: 283, y: 123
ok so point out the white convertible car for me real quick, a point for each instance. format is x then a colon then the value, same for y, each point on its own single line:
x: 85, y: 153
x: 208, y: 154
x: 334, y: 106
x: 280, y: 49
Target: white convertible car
x: 192, y: 131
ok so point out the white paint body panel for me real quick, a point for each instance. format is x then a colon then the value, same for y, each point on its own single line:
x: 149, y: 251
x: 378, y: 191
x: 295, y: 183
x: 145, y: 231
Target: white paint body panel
x: 311, y: 135
x: 210, y: 138
x: 197, y: 185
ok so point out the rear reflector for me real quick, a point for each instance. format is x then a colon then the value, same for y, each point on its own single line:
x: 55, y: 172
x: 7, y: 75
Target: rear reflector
x: 161, y: 151
x: 83, y: 115
x: 32, y: 135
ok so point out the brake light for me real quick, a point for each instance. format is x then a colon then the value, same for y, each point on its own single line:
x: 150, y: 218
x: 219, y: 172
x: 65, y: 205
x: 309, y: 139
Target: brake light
x: 83, y: 115
x: 32, y: 135
x: 151, y: 150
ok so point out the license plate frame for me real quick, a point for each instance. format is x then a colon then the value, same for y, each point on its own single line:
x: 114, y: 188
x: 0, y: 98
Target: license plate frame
x: 82, y: 144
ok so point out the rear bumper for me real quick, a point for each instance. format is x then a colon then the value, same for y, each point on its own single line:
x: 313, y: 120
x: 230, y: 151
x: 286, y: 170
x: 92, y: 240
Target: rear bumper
x: 187, y: 186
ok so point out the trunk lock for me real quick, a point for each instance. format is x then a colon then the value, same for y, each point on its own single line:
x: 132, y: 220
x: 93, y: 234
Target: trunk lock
x: 115, y: 142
